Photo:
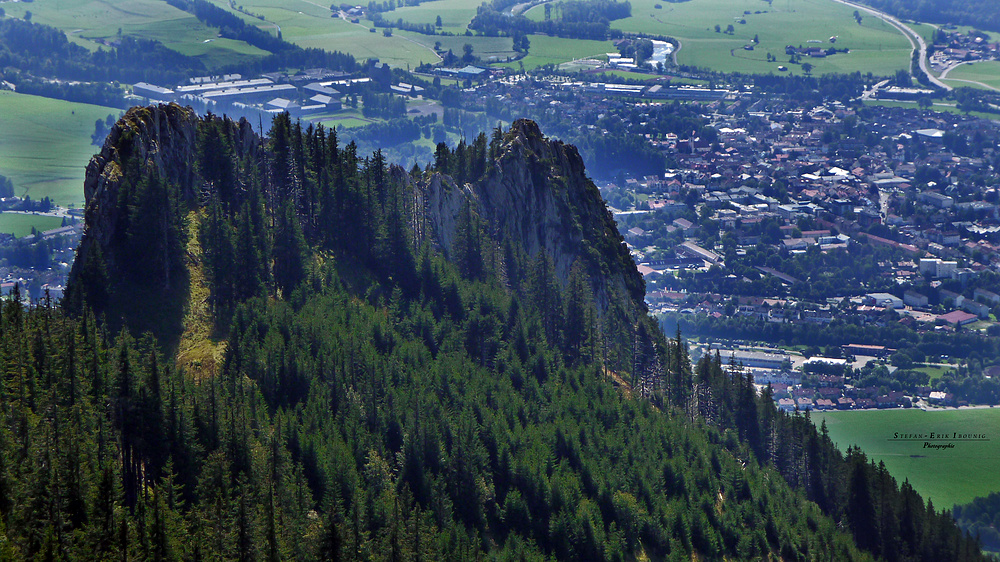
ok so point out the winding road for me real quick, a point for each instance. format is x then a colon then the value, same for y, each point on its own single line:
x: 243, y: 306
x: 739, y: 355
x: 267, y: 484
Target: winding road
x: 916, y: 41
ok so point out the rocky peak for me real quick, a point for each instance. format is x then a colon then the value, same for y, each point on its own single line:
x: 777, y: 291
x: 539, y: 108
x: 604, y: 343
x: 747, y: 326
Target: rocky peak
x: 537, y: 191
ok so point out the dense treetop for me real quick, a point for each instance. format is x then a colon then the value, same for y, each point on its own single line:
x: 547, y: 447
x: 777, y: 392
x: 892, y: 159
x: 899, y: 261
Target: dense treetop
x: 377, y: 400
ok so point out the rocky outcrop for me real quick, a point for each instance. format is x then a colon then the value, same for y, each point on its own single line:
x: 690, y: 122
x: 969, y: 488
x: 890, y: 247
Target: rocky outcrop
x: 163, y: 138
x: 536, y: 191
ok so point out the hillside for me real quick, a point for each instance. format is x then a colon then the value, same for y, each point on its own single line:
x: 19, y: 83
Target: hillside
x: 448, y: 363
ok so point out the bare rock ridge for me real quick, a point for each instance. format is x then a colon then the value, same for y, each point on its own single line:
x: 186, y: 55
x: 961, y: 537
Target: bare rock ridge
x: 537, y: 190
x: 158, y: 137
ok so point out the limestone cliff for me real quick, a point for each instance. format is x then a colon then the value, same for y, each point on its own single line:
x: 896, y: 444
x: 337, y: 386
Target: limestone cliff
x: 536, y: 190
x: 163, y: 137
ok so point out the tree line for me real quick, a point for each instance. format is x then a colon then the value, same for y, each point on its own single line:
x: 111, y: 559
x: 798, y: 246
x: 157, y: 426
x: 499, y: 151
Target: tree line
x: 379, y: 400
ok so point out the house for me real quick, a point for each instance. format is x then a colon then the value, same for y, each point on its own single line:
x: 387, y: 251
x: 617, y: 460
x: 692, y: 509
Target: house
x: 915, y: 299
x: 979, y: 309
x: 884, y: 300
x: 326, y: 101
x: 945, y: 295
x: 153, y: 92
x: 824, y: 404
x: 691, y: 249
x: 958, y: 318
x: 757, y: 360
x: 845, y: 403
x: 986, y: 296
x: 281, y: 104
x: 867, y: 350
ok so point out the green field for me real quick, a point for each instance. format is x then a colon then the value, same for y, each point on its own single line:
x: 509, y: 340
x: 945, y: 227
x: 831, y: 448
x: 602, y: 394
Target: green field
x: 45, y: 145
x: 309, y: 24
x: 933, y: 371
x: 486, y: 48
x: 875, y: 46
x: 455, y: 14
x: 946, y: 476
x: 556, y: 50
x: 20, y: 224
x: 85, y: 21
x: 944, y: 107
x: 986, y: 73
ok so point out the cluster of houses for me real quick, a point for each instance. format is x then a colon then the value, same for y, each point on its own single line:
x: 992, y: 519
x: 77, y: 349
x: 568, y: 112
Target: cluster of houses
x: 312, y: 91
x: 794, y: 389
x: 960, y: 48
x: 942, y: 230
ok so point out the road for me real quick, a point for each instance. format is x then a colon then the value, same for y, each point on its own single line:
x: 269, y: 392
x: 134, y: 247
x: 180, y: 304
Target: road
x: 915, y: 39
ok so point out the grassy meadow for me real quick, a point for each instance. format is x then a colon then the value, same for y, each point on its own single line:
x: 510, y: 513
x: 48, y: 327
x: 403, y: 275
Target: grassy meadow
x: 486, y: 48
x: 557, y: 50
x: 875, y: 46
x: 310, y: 24
x: 987, y: 73
x: 86, y: 21
x: 946, y: 476
x: 455, y: 14
x: 20, y: 224
x: 45, y: 145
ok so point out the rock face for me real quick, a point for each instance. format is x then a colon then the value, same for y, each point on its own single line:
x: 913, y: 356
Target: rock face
x: 163, y: 137
x: 536, y: 191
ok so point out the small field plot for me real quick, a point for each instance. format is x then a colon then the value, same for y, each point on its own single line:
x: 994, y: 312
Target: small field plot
x: 556, y: 50
x: 950, y: 475
x: 311, y: 24
x: 455, y: 14
x: 20, y: 224
x: 85, y: 21
x: 980, y: 74
x: 933, y: 371
x: 874, y: 45
x: 486, y: 48
x: 45, y: 145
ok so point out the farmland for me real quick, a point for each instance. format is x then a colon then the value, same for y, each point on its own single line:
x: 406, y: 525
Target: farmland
x: 975, y: 75
x: 455, y: 14
x: 946, y: 476
x: 85, y: 22
x: 310, y: 24
x: 45, y: 145
x: 875, y: 46
x: 20, y: 224
x: 556, y: 50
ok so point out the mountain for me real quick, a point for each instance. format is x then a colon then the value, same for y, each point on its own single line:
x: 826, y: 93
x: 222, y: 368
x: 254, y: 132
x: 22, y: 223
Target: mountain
x: 447, y: 363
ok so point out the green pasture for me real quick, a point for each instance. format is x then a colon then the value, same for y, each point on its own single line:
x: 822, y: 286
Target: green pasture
x: 875, y: 46
x: 933, y: 371
x: 45, y: 145
x: 86, y: 21
x: 455, y: 14
x: 944, y: 107
x: 310, y: 24
x: 557, y: 50
x: 946, y: 476
x: 20, y: 224
x: 986, y: 73
x: 486, y: 48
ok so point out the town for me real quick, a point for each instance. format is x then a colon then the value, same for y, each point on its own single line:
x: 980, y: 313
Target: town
x: 850, y: 204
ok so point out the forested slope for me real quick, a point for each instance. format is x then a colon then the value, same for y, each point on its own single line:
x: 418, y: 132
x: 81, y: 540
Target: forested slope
x: 402, y: 380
